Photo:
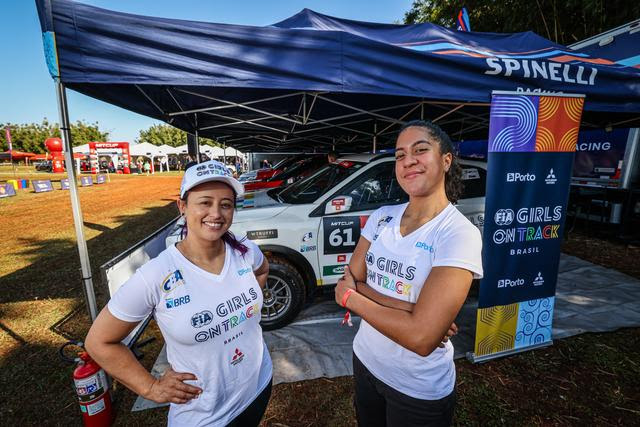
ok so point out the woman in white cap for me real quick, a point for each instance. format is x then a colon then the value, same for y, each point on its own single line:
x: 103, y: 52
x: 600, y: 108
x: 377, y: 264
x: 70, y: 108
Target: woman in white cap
x: 205, y: 293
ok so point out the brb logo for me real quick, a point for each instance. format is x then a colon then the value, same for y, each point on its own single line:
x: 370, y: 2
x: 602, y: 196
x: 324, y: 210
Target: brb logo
x: 172, y: 281
x: 177, y: 302
x: 520, y: 177
x: 201, y: 319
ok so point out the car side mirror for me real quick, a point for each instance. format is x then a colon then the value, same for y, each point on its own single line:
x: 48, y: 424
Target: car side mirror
x: 338, y: 204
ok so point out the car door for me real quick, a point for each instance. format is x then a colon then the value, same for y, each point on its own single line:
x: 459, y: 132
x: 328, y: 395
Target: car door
x: 338, y: 232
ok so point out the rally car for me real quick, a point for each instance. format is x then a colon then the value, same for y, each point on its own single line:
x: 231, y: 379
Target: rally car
x: 295, y: 172
x: 309, y: 229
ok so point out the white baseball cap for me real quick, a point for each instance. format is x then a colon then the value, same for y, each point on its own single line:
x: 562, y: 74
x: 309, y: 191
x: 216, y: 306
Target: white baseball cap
x: 211, y: 170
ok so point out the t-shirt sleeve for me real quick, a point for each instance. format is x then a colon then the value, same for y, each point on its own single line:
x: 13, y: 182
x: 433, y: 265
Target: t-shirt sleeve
x: 371, y: 226
x: 254, y: 255
x: 135, y: 299
x: 461, y: 248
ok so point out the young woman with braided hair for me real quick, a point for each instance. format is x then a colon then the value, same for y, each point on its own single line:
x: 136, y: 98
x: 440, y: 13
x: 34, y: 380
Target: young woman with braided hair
x: 407, y: 279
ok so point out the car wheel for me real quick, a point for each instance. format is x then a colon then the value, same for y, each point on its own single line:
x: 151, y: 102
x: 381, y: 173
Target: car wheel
x: 283, y: 294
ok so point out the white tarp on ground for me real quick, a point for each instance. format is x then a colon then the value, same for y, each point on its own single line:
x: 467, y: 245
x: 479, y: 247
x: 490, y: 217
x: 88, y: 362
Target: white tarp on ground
x: 589, y: 298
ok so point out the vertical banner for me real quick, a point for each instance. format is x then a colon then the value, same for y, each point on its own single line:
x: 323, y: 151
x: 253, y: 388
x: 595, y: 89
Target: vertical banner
x: 532, y: 141
x: 7, y: 134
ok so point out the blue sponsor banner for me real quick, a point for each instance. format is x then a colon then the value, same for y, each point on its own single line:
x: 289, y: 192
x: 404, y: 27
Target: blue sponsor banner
x: 7, y: 190
x: 599, y: 154
x: 101, y: 179
x: 532, y: 142
x: 42, y: 185
x: 64, y: 184
x: 86, y: 181
x: 524, y: 220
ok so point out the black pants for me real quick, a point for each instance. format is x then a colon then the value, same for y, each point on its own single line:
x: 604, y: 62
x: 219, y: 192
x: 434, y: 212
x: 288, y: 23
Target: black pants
x: 253, y: 414
x: 378, y: 404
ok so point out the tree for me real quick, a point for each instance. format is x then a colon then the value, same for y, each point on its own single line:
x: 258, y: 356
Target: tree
x: 166, y: 134
x: 564, y: 22
x: 30, y: 137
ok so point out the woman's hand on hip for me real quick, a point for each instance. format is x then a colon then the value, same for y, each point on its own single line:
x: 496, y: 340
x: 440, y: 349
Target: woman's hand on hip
x: 345, y: 283
x: 170, y: 387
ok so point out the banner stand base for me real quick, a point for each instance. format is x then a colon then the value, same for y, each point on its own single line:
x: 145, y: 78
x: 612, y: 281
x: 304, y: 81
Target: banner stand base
x: 471, y: 356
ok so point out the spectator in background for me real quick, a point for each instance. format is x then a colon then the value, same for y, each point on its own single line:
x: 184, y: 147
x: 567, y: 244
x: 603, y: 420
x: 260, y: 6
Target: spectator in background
x: 147, y: 167
x: 332, y: 156
x: 266, y: 164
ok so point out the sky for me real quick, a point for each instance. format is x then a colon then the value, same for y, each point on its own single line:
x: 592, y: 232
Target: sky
x: 28, y: 92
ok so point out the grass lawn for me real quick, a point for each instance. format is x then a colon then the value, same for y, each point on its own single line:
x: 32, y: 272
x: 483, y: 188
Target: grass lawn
x: 587, y: 379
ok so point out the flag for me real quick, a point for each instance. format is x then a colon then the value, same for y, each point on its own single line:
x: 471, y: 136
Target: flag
x: 463, y: 20
x: 7, y: 133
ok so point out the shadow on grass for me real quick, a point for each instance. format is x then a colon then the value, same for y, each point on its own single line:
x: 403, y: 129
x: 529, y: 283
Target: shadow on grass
x: 54, y: 271
x: 30, y: 368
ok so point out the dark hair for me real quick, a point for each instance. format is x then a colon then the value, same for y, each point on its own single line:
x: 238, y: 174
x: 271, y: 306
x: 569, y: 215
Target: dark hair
x: 453, y: 177
x: 333, y: 153
x: 228, y: 237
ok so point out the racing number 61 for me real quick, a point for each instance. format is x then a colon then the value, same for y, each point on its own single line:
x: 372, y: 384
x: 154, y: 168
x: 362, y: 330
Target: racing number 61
x: 336, y: 239
x: 340, y: 234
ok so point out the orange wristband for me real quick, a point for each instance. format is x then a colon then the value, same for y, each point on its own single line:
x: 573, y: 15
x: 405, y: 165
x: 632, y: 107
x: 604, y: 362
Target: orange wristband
x: 346, y: 296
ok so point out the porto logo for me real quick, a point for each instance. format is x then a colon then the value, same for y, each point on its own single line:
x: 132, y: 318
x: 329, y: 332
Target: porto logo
x: 308, y: 236
x: 551, y: 178
x: 504, y: 216
x: 244, y: 271
x: 201, y: 319
x: 237, y: 357
x: 177, y: 302
x: 538, y: 281
x: 510, y: 283
x: 370, y: 258
x: 520, y: 177
x: 172, y: 281
x: 423, y: 245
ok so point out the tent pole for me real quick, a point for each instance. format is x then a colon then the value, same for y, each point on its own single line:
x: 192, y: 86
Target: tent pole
x: 375, y: 135
x: 224, y: 152
x: 85, y: 265
x: 195, y: 133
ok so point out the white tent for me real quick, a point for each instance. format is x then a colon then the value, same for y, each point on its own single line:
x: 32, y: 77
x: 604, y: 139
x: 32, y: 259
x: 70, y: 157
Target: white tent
x: 151, y: 151
x: 84, y: 149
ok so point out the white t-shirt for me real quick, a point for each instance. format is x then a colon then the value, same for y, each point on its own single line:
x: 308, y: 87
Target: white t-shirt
x: 398, y: 267
x: 210, y: 323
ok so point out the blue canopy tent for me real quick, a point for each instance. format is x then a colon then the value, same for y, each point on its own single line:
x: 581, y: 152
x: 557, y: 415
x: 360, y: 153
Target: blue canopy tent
x: 621, y: 45
x: 313, y: 80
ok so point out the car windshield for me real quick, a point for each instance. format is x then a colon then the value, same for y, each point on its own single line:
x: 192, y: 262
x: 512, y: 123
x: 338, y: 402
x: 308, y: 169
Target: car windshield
x: 309, y: 189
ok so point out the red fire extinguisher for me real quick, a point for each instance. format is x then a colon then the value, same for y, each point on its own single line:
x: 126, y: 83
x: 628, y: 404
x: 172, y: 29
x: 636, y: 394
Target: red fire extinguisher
x: 92, y: 389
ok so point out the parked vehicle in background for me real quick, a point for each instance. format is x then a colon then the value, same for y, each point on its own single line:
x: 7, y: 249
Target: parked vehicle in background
x: 44, y: 166
x: 293, y: 173
x: 309, y: 229
x: 265, y: 173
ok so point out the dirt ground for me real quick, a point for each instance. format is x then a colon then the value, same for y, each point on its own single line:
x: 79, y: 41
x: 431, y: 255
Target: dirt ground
x: 588, y: 379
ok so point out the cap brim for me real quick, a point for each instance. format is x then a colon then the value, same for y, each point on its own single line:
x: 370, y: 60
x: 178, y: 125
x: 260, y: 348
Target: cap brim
x: 232, y: 182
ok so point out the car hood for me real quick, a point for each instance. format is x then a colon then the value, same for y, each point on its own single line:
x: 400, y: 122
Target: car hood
x: 258, y: 214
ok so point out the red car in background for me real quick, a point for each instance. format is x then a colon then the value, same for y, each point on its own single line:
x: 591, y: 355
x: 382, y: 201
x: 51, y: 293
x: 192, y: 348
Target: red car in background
x: 295, y: 171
